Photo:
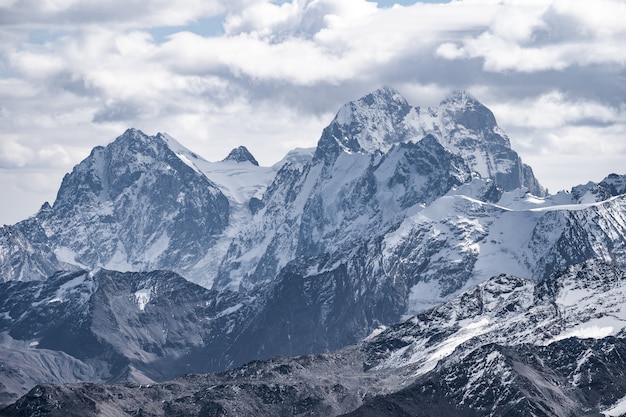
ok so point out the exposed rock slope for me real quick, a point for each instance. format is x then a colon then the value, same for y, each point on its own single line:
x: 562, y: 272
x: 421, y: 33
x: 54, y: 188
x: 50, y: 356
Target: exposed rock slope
x: 502, y: 348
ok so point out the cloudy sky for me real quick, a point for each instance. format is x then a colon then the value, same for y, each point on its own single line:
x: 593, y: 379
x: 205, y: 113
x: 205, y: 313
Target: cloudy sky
x: 271, y: 74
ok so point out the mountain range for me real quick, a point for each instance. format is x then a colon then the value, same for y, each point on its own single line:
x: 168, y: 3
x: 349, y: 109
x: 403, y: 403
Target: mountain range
x: 509, y: 346
x: 153, y: 262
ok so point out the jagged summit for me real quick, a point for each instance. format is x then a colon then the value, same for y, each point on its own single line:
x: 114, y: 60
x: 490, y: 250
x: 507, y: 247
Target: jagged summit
x: 241, y: 154
x: 373, y: 123
x: 383, y: 117
x: 460, y: 99
x: 140, y: 202
x: 382, y: 97
x: 112, y: 170
x: 137, y: 140
x: 462, y: 124
x: 611, y: 186
x: 133, y: 133
x: 154, y: 147
x: 462, y: 110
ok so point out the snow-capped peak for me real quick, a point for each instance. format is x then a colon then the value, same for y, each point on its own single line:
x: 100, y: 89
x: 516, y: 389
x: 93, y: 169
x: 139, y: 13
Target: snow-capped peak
x: 611, y: 186
x: 370, y: 124
x: 377, y: 121
x: 374, y: 117
x: 241, y: 154
x: 190, y: 158
x: 460, y: 100
x: 133, y: 134
x: 460, y: 110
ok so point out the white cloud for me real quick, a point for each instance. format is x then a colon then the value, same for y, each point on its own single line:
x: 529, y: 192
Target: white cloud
x: 15, y: 88
x: 547, y: 35
x: 13, y: 155
x: 303, y: 18
x: 54, y: 156
x: 449, y: 50
x: 298, y: 61
x: 37, y: 65
x: 553, y: 110
x: 118, y: 13
x: 27, y: 190
x: 518, y: 23
x: 601, y: 18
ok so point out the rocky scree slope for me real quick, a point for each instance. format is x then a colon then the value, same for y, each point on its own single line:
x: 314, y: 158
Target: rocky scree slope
x: 568, y: 378
x: 112, y: 326
x: 505, y: 347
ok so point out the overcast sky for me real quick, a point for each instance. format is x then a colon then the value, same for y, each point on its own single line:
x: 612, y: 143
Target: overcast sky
x: 270, y: 75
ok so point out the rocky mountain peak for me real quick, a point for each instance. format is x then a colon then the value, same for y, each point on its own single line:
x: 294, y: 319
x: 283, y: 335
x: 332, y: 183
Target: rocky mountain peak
x: 110, y: 171
x: 241, y: 154
x: 460, y: 99
x: 371, y: 124
x: 133, y: 134
x: 468, y: 128
x: 374, y: 122
x: 613, y: 185
x: 383, y: 97
x: 138, y: 202
x: 462, y: 124
x: 137, y: 141
x: 461, y: 108
x: 45, y: 207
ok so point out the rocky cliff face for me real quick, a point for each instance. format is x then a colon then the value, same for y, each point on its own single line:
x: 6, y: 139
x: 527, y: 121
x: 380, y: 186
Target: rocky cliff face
x: 135, y: 205
x: 113, y: 326
x: 572, y: 377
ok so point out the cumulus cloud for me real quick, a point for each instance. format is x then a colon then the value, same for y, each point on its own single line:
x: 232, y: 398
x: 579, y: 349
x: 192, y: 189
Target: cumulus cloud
x: 547, y: 35
x: 554, y: 109
x: 13, y: 155
x: 17, y: 155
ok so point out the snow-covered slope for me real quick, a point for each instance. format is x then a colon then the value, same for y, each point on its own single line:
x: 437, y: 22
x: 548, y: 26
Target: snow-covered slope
x: 515, y: 346
x: 324, y: 208
x: 467, y: 240
x: 587, y: 300
x: 611, y: 186
x: 25, y: 253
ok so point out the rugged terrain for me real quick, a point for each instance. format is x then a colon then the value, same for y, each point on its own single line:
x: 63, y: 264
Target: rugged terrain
x: 153, y: 262
x: 510, y: 346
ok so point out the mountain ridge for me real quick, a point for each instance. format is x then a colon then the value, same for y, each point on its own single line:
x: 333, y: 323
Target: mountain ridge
x: 458, y: 367
x: 461, y: 123
x: 388, y: 217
